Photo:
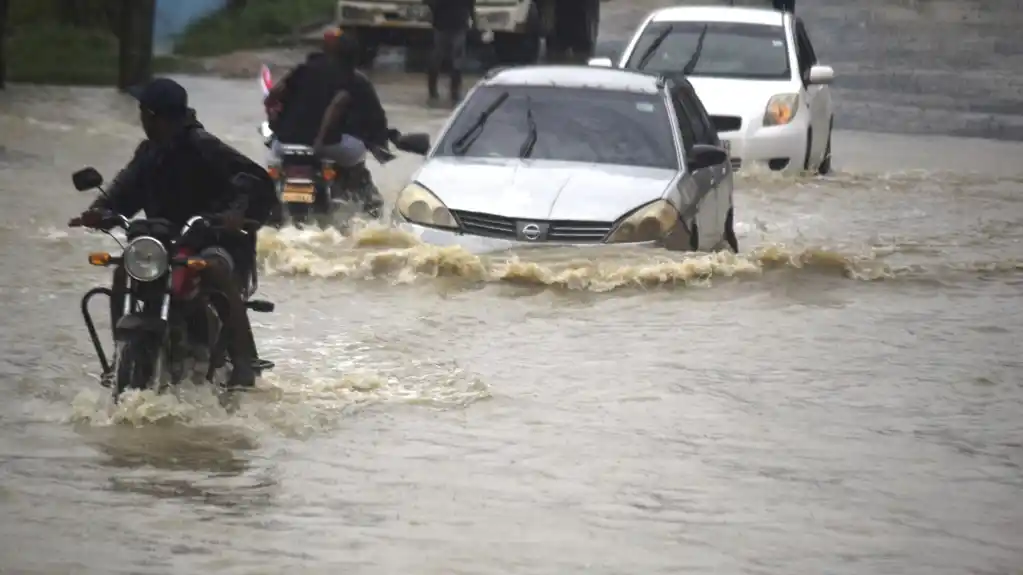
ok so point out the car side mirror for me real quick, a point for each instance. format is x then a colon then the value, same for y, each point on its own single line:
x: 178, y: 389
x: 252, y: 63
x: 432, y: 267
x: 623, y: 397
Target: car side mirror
x: 418, y: 143
x: 821, y: 75
x: 600, y: 62
x: 703, y: 156
x: 87, y: 179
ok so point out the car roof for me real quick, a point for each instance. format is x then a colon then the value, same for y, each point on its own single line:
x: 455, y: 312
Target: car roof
x: 591, y: 77
x: 727, y: 14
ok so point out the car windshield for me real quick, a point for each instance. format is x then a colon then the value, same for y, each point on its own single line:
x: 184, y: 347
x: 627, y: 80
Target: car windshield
x: 728, y: 50
x: 571, y: 125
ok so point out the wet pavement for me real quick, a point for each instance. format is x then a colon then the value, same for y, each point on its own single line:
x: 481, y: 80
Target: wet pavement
x: 844, y: 396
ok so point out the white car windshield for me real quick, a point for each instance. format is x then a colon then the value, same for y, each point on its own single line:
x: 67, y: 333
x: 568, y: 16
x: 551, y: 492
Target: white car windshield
x: 571, y: 124
x: 727, y: 50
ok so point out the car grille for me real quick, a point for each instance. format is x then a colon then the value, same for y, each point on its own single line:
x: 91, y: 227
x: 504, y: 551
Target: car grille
x: 485, y: 224
x: 578, y: 232
x: 726, y: 123
x: 489, y: 225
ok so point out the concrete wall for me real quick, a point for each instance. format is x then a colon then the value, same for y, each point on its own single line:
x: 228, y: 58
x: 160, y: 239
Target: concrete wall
x: 172, y: 16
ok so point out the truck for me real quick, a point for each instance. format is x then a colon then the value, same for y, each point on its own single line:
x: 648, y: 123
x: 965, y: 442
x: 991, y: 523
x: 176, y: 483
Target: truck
x: 519, y: 27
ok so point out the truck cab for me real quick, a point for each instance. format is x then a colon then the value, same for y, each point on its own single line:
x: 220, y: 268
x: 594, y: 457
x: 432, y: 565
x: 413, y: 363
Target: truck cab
x: 518, y: 26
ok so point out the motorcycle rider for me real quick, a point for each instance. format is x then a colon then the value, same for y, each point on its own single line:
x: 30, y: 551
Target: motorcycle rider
x: 328, y: 104
x: 180, y: 170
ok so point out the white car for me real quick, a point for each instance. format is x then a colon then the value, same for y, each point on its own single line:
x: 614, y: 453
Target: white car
x: 755, y: 70
x: 573, y: 155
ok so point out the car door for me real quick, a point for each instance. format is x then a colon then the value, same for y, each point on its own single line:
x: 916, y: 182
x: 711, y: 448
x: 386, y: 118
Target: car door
x: 702, y: 183
x: 722, y: 176
x: 816, y: 96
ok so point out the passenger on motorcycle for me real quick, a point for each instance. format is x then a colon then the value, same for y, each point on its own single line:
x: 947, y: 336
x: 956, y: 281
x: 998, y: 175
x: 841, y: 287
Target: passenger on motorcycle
x: 180, y: 170
x: 328, y: 104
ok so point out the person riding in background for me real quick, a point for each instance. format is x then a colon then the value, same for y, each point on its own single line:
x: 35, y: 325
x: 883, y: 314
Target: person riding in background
x: 331, y: 106
x: 451, y: 25
x: 179, y: 171
x: 354, y: 119
x: 276, y: 100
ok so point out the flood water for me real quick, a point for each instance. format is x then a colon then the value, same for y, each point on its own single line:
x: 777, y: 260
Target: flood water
x: 844, y: 396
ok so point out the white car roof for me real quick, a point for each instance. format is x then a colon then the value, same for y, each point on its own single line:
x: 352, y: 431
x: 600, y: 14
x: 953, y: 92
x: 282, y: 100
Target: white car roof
x: 720, y: 14
x: 594, y: 78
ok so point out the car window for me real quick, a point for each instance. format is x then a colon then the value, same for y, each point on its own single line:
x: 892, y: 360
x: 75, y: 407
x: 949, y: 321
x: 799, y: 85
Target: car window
x: 729, y: 50
x: 685, y: 125
x: 572, y: 125
x: 804, y: 51
x: 705, y: 132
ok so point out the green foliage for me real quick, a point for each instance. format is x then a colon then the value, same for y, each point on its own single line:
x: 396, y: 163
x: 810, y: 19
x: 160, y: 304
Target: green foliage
x: 62, y: 41
x: 75, y: 42
x: 56, y: 54
x: 260, y: 23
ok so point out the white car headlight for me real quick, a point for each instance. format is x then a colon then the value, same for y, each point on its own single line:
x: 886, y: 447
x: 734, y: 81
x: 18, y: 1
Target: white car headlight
x: 419, y: 206
x: 781, y: 109
x: 145, y: 259
x: 650, y: 223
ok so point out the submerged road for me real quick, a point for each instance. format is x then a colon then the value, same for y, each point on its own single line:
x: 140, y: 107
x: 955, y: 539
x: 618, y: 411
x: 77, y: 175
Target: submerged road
x: 843, y: 397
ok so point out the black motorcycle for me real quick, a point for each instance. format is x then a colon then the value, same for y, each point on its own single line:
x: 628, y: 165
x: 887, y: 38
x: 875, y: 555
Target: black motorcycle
x: 171, y: 320
x: 313, y: 190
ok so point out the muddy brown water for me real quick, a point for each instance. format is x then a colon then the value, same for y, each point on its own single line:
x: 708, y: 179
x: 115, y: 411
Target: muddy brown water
x: 844, y: 396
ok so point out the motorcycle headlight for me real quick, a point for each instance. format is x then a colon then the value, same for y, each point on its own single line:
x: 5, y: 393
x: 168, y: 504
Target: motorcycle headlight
x: 145, y: 259
x: 647, y: 224
x: 419, y: 206
x: 781, y: 109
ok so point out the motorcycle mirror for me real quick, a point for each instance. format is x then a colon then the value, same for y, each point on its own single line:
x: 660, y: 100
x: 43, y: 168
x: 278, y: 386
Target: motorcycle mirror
x: 418, y: 144
x: 87, y: 179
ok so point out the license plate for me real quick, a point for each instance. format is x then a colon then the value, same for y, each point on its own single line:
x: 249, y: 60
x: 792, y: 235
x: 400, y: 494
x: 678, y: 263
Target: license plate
x: 298, y: 194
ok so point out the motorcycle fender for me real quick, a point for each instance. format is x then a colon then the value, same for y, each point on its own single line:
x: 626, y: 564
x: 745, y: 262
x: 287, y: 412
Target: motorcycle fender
x: 132, y: 324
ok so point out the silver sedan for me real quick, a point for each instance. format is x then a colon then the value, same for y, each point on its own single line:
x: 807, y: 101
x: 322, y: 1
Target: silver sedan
x: 573, y: 155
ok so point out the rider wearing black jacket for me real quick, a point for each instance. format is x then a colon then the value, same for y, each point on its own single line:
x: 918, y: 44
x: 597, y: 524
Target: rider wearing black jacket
x: 180, y: 171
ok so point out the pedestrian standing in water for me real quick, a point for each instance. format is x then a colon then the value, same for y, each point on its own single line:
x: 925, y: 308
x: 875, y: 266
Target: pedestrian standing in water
x: 452, y: 20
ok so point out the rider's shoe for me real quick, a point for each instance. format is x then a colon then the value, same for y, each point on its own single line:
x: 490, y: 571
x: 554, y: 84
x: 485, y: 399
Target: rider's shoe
x: 243, y: 376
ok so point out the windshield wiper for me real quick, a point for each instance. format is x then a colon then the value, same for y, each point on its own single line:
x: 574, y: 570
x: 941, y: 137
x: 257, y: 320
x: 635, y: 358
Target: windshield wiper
x: 691, y: 64
x: 649, y: 52
x: 527, y: 147
x: 462, y: 144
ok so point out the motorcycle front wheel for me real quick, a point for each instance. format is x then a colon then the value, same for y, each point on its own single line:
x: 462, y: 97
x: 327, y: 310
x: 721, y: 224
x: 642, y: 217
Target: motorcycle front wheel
x: 136, y: 363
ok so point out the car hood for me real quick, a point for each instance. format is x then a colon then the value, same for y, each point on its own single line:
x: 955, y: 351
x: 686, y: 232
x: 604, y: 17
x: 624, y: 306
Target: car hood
x: 744, y: 98
x: 541, y: 189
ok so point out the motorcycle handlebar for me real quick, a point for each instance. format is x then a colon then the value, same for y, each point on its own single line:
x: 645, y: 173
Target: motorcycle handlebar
x: 107, y: 221
x: 110, y: 220
x: 217, y: 220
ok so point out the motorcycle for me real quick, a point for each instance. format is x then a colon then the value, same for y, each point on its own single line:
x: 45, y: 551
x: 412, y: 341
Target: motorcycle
x: 171, y: 320
x: 312, y: 190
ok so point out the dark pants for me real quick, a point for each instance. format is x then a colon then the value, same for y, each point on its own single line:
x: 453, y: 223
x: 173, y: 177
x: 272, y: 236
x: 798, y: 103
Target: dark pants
x: 447, y: 45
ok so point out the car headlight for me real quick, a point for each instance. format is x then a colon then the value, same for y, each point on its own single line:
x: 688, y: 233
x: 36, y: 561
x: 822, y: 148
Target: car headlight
x: 419, y: 206
x: 647, y: 224
x: 145, y: 259
x: 781, y: 109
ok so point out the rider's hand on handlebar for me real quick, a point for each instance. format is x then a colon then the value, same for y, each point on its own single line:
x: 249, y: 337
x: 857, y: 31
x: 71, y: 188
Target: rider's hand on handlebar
x: 89, y: 219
